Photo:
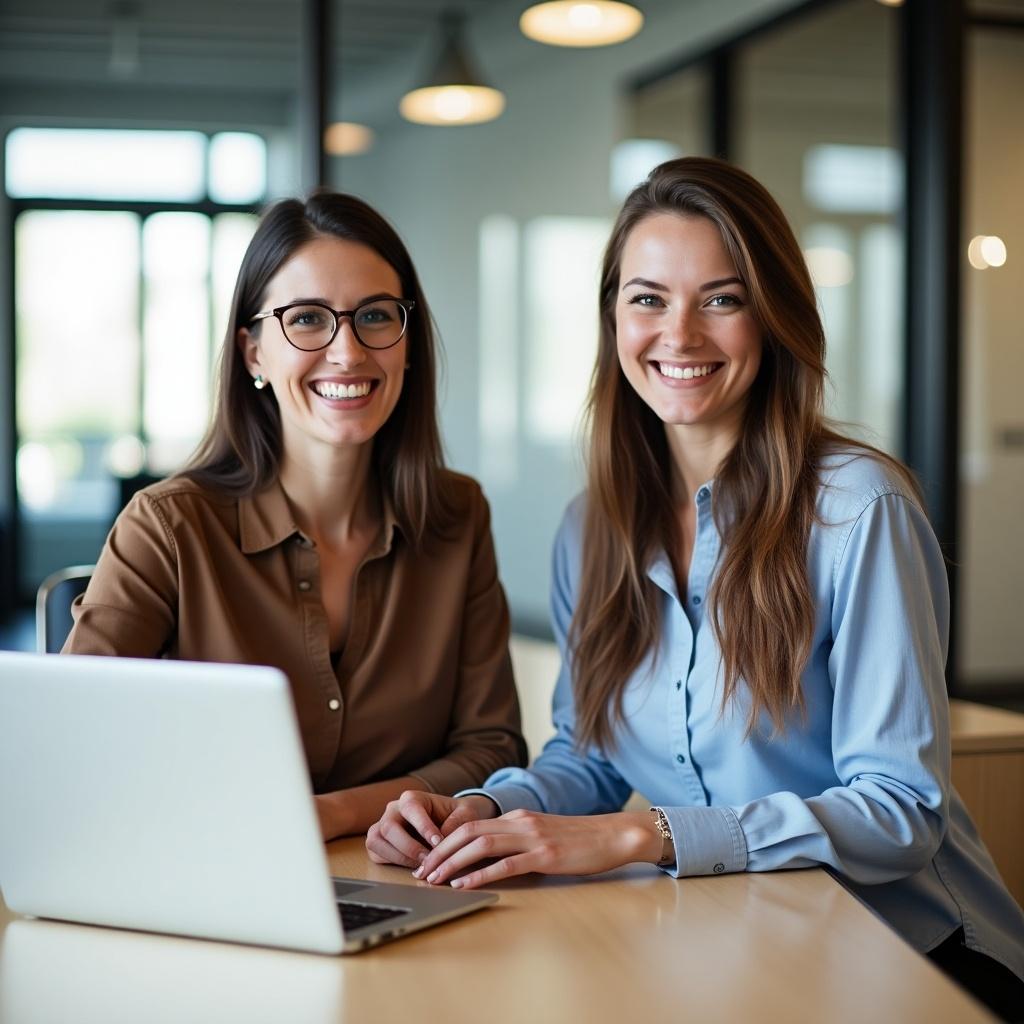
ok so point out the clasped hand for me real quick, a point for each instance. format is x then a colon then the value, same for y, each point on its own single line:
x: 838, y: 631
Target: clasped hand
x: 441, y: 837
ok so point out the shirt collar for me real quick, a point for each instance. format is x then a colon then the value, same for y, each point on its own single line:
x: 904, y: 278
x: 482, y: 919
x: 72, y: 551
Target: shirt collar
x: 659, y: 568
x: 265, y: 520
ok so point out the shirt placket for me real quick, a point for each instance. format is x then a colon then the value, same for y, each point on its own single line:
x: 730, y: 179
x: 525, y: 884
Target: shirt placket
x: 689, y: 621
x: 306, y: 576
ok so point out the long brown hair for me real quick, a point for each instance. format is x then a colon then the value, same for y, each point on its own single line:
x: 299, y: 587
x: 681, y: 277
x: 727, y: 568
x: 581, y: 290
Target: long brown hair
x: 241, y: 452
x: 760, y: 603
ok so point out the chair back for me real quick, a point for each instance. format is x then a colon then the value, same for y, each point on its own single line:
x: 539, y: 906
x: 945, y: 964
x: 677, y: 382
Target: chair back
x: 53, y: 606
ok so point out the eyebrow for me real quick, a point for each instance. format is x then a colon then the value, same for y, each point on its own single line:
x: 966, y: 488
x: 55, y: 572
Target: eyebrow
x: 709, y: 286
x: 320, y: 300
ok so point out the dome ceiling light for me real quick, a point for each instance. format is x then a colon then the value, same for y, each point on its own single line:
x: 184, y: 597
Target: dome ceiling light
x: 574, y: 23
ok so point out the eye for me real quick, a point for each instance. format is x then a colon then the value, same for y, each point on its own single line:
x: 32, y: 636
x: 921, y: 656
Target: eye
x: 375, y: 315
x: 723, y: 301
x: 647, y: 300
x: 306, y: 317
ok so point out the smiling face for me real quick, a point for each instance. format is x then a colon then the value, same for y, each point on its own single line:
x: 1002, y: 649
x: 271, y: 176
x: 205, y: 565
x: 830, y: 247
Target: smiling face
x: 343, y: 394
x: 686, y: 338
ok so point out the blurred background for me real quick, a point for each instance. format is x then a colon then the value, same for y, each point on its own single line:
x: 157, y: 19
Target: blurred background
x: 140, y: 139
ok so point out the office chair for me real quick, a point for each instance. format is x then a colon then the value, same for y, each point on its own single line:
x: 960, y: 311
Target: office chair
x: 53, y: 606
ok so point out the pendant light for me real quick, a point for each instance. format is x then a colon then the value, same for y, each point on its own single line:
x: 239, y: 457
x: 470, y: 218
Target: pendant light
x: 454, y: 93
x: 576, y: 23
x: 347, y: 138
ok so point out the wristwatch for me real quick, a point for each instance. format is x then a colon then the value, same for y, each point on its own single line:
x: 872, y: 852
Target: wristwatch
x: 668, y: 850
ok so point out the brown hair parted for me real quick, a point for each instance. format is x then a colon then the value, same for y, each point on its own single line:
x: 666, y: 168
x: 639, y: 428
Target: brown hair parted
x: 760, y: 603
x: 241, y: 451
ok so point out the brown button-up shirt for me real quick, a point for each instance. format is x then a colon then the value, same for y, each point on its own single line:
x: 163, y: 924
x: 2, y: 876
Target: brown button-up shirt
x: 424, y: 684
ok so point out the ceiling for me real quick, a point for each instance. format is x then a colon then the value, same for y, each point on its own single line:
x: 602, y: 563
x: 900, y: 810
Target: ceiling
x: 188, y: 44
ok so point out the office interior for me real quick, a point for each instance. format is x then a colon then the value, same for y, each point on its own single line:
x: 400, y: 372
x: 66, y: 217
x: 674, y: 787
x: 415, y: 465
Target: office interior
x: 141, y: 139
x: 886, y: 130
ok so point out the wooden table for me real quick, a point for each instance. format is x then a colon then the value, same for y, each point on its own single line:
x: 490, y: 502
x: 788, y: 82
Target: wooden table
x: 626, y: 947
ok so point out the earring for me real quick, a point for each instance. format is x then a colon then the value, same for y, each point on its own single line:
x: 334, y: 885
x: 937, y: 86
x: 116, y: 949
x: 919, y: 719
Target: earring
x: 258, y: 382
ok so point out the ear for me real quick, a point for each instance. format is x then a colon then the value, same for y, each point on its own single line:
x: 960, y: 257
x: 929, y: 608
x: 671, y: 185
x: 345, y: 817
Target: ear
x: 250, y: 350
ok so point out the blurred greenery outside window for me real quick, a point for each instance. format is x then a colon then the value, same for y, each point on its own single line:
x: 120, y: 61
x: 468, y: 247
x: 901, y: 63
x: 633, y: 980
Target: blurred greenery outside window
x: 126, y: 244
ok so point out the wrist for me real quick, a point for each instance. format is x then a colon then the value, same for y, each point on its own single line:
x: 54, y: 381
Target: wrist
x: 343, y: 813
x: 645, y: 841
x: 668, y: 849
x: 483, y: 806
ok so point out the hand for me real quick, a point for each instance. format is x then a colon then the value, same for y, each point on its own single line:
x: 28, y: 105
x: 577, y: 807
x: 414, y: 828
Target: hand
x: 417, y: 821
x: 524, y: 841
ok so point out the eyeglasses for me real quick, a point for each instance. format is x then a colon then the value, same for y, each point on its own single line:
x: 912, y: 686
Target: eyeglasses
x: 311, y: 326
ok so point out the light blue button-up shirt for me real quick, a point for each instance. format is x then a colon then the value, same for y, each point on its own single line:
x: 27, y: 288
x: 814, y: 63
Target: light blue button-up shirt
x: 860, y: 785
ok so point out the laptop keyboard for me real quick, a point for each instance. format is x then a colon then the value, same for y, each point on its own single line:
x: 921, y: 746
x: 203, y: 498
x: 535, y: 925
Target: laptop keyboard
x: 359, y: 915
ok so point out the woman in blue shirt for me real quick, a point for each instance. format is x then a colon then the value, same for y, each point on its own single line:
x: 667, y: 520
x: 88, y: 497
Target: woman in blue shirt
x: 752, y: 611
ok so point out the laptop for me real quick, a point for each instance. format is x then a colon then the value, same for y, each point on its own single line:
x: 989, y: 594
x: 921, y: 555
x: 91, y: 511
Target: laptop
x: 172, y: 796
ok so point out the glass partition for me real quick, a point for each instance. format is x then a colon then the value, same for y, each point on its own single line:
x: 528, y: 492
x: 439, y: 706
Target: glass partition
x: 991, y: 650
x: 815, y: 109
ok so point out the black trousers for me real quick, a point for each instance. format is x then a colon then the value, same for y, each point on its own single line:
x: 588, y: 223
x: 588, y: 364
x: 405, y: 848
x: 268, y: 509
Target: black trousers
x: 986, y: 979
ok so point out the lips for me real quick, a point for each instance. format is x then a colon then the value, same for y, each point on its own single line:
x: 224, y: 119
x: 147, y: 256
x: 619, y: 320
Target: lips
x: 687, y: 371
x: 343, y: 390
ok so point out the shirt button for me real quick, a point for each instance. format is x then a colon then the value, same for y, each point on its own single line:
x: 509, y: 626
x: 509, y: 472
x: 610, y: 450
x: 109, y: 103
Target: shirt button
x: 696, y: 598
x: 334, y: 704
x: 719, y: 868
x: 304, y: 585
x: 680, y: 759
x: 702, y: 493
x: 679, y: 684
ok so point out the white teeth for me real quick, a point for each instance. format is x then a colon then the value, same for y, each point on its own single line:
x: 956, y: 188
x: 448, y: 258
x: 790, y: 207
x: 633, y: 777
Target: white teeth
x: 685, y: 372
x: 328, y: 389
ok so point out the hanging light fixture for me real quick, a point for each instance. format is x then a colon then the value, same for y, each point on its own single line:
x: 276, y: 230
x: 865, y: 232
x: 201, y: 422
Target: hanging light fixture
x: 347, y: 138
x: 576, y: 23
x: 454, y: 94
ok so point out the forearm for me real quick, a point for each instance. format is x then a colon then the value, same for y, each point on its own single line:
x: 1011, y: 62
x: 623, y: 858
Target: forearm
x: 347, y: 812
x: 561, y: 781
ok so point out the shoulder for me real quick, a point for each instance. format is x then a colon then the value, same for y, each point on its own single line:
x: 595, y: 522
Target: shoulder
x: 178, y: 499
x: 462, y: 491
x: 464, y: 500
x: 852, y: 478
x: 868, y: 511
x: 465, y: 518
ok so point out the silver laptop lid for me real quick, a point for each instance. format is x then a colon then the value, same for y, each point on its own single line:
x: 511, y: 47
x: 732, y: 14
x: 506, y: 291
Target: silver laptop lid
x: 160, y: 795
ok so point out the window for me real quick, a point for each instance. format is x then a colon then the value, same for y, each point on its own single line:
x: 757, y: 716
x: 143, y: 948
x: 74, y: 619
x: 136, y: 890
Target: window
x: 120, y: 307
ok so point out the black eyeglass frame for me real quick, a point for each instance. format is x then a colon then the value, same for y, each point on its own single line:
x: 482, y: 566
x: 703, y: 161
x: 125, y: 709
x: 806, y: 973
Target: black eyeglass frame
x: 339, y: 314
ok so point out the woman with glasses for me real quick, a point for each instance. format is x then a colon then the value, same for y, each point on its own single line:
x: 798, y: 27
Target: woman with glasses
x: 752, y: 611
x: 317, y: 530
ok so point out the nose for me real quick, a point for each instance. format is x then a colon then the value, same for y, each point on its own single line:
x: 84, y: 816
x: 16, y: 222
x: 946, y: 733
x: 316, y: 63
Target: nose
x: 682, y: 331
x: 345, y: 349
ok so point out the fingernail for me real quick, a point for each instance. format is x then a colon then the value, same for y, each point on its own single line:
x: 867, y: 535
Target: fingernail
x: 434, y: 840
x: 418, y: 873
x: 456, y: 883
x: 432, y: 877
